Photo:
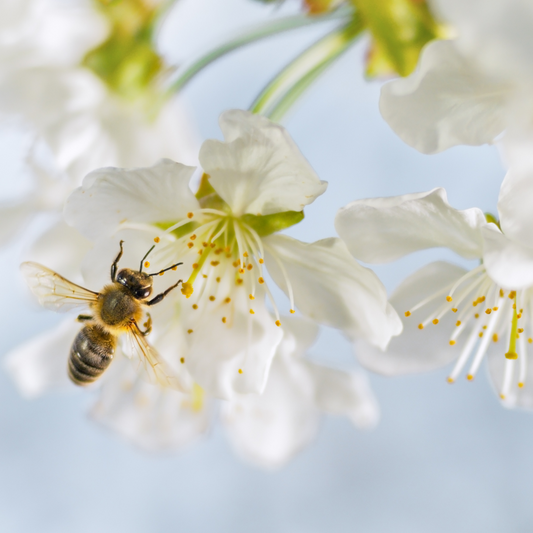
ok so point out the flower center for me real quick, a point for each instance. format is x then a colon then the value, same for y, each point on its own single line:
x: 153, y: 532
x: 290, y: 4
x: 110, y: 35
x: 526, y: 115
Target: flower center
x: 485, y: 314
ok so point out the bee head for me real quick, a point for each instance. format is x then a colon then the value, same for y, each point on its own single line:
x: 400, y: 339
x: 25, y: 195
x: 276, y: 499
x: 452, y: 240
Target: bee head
x: 138, y: 283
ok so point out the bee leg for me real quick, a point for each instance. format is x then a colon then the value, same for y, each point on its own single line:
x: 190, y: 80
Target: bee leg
x: 160, y: 297
x: 84, y: 318
x: 147, y: 325
x: 114, y: 266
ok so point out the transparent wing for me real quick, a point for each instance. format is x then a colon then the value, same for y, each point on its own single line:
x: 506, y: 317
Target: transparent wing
x: 54, y: 291
x: 155, y: 369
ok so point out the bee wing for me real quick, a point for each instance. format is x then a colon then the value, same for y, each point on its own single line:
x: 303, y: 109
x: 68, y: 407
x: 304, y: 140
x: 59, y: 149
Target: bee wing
x: 54, y: 291
x: 155, y: 369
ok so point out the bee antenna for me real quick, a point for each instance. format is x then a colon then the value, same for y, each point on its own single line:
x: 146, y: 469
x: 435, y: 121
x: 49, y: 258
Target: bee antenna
x: 164, y: 270
x: 146, y: 255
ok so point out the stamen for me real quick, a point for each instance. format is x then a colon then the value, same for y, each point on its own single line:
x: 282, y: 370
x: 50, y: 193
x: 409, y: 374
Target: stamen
x: 511, y: 352
x: 465, y: 353
x: 507, y: 378
x: 522, y: 369
x: 483, y: 345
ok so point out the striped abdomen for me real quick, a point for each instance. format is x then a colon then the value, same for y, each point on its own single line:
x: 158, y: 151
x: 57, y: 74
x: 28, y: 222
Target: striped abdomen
x: 91, y: 353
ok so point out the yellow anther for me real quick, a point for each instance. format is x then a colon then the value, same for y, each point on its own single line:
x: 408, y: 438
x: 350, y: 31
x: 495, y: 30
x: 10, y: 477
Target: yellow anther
x: 435, y: 321
x: 481, y: 334
x: 187, y: 290
x: 192, y: 237
x: 241, y: 270
x: 235, y: 264
x: 261, y: 261
x: 452, y: 342
x: 194, y: 306
x: 223, y: 319
x: 250, y: 266
x: 512, y: 294
x: 195, y: 266
x: 227, y: 300
x: 484, y: 327
x: 190, y: 215
x: 511, y: 355
x: 215, y: 263
x: 520, y: 385
x: 502, y: 396
x: 454, y: 309
x: 240, y: 370
x: 407, y: 313
x: 190, y: 244
x: 205, y: 244
x: 476, y: 316
x: 495, y: 308
x: 227, y: 249
x: 252, y: 297
x: 420, y: 326
x: 212, y: 298
x: 458, y: 323
x: 474, y: 303
x: 212, y: 244
x: 449, y: 298
x: 261, y: 280
x: 278, y: 323
x: 189, y: 331
x: 450, y: 380
x: 217, y: 280
x: 146, y: 264
x: 182, y: 360
x: 495, y: 337
x: 200, y: 252
x: 502, y: 294
x: 481, y: 299
x: 469, y: 377
x: 520, y: 330
x: 204, y: 276
x: 530, y: 340
x: 252, y: 312
x: 245, y: 254
x: 488, y: 311
x: 156, y: 239
x: 292, y: 311
x: 175, y: 267
x: 514, y: 306
x: 239, y: 281
x: 161, y: 273
x: 519, y: 315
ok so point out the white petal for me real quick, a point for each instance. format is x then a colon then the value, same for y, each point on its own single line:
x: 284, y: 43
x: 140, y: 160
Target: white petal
x: 417, y: 350
x: 447, y: 101
x: 379, y: 230
x: 345, y: 394
x: 112, y: 196
x: 514, y: 206
x: 331, y: 288
x: 14, y: 218
x: 508, y: 263
x: 40, y: 364
x: 152, y: 418
x: 245, y: 342
x: 259, y: 169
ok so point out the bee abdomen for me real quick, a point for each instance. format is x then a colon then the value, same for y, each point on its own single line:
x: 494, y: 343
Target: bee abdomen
x: 91, y: 353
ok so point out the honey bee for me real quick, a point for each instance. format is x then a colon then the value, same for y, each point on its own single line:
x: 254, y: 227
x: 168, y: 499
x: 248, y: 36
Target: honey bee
x: 117, y: 309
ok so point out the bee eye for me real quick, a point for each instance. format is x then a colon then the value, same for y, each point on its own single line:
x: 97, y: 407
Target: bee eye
x: 143, y: 293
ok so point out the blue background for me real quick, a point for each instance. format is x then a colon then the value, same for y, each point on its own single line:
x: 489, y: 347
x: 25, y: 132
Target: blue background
x: 444, y: 458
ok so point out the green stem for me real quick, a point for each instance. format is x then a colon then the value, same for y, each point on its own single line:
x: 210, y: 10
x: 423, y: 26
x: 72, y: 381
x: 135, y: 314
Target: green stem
x: 289, y: 84
x: 267, y: 30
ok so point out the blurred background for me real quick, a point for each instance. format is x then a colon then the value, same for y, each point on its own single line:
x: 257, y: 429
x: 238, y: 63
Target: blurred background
x: 442, y: 458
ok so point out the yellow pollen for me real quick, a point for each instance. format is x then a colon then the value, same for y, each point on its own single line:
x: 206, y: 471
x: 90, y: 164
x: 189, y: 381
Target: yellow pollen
x: 520, y: 330
x: 217, y: 280
x: 484, y: 327
x: 407, y: 313
x: 175, y: 267
x: 190, y: 215
x: 215, y: 263
x: 435, y: 321
x: 212, y: 245
x: 261, y: 280
x: 502, y: 396
x: 278, y: 323
x: 476, y: 316
x: 488, y: 311
x: 450, y: 380
x: 200, y: 252
x: 250, y: 266
x: 520, y: 385
x: 261, y: 261
x: 190, y: 244
x: 235, y: 264
x: 512, y: 294
x: 204, y: 276
x: 252, y: 312
x: 420, y: 326
x: 502, y: 294
x: 292, y: 311
x: 212, y: 298
x: 469, y: 377
x: 223, y: 319
x: 205, y: 244
x: 481, y: 299
x: 146, y: 264
x: 228, y: 255
x: 495, y: 308
x: 161, y: 273
x: 189, y: 331
x: 521, y: 311
x: 239, y: 281
x: 245, y: 254
x: 156, y: 239
x: 195, y: 266
x: 182, y: 360
x: 252, y: 297
x: 454, y: 309
x: 511, y: 355
x: 495, y: 337
x: 240, y: 370
x: 192, y: 237
x: 452, y: 342
x: 530, y: 340
x: 481, y: 334
x: 194, y: 306
x: 241, y: 270
x: 187, y: 290
x: 474, y: 303
x: 514, y: 306
x: 458, y: 323
x: 227, y: 300
x: 449, y: 298
x: 519, y: 315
